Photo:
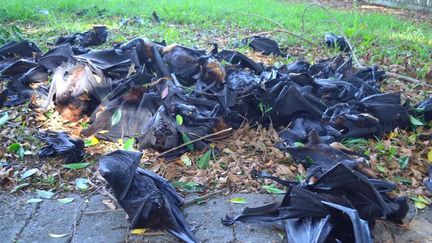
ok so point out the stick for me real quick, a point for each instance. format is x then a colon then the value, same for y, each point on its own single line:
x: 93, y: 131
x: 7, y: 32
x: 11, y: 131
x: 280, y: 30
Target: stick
x: 339, y: 27
x: 202, y: 198
x: 402, y: 77
x: 193, y: 141
x: 104, y: 211
x: 282, y: 28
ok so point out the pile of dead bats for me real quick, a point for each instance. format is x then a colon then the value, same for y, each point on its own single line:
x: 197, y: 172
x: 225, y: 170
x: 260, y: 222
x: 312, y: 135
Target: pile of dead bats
x: 165, y: 96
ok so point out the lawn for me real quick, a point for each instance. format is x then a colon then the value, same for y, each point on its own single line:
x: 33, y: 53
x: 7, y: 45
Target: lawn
x: 378, y: 38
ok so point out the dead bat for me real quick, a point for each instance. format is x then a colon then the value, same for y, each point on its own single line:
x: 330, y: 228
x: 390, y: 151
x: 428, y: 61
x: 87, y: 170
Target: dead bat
x: 22, y: 49
x: 60, y: 144
x: 148, y: 199
x: 308, y: 229
x: 264, y: 45
x: 360, y: 227
x: 96, y: 36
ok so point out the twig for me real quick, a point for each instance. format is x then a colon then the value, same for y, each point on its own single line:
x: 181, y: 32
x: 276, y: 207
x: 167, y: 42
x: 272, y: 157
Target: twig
x: 193, y: 141
x: 402, y: 77
x: 202, y: 198
x: 282, y: 28
x: 104, y: 211
x: 339, y: 27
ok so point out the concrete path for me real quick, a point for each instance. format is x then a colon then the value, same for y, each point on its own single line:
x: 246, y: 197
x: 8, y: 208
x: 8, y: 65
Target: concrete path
x: 48, y: 220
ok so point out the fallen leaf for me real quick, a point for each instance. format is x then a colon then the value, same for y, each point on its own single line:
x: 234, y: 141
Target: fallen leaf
x: 34, y: 200
x: 179, y: 119
x: 429, y: 155
x: 17, y: 149
x: 416, y: 122
x: 81, y: 183
x: 19, y: 187
x: 29, y: 173
x: 138, y: 231
x: 273, y: 189
x: 128, y: 144
x: 116, y: 117
x: 238, y: 200
x: 57, y: 235
x: 44, y: 194
x: 76, y: 166
x: 91, y: 141
x: 4, y: 118
x: 65, y: 200
x: 419, y: 205
x: 109, y: 203
x: 186, y: 139
x: 186, y: 160
x: 203, y: 161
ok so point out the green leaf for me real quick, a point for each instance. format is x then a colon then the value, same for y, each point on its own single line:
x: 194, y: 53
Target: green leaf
x: 4, y: 118
x: 238, y: 200
x: 44, y: 194
x: 17, y: 149
x: 203, y: 161
x: 403, y: 162
x: 179, y: 119
x: 416, y: 122
x: 19, y: 187
x: 116, y: 117
x: 186, y: 160
x: 29, y: 173
x: 381, y: 168
x: 34, y: 200
x: 76, y: 166
x: 65, y: 200
x: 273, y: 189
x: 419, y: 205
x: 188, y: 186
x: 81, y: 184
x: 355, y: 141
x: 91, y: 141
x: 186, y: 139
x: 128, y: 144
x: 299, y: 144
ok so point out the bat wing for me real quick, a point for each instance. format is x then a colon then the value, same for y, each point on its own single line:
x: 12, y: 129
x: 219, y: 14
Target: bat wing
x: 308, y: 229
x: 177, y: 224
x: 361, y: 230
x: 163, y: 185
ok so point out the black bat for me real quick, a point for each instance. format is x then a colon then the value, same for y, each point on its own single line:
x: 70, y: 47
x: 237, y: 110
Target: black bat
x: 308, y: 229
x: 360, y: 227
x: 297, y: 203
x: 60, y: 144
x: 148, y: 199
x: 264, y: 45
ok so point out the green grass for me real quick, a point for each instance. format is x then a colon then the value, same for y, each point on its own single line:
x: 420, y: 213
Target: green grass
x: 384, y: 36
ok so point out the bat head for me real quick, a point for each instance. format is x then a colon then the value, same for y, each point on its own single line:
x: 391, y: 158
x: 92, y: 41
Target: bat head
x: 118, y: 169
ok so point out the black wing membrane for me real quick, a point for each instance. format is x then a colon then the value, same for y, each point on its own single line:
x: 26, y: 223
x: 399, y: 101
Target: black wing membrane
x: 360, y: 227
x: 308, y: 229
x: 148, y: 199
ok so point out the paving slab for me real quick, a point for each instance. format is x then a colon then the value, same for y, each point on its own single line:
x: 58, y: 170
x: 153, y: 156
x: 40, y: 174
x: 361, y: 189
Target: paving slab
x: 51, y: 217
x: 101, y: 227
x: 254, y: 232
x: 14, y: 215
x: 22, y: 222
